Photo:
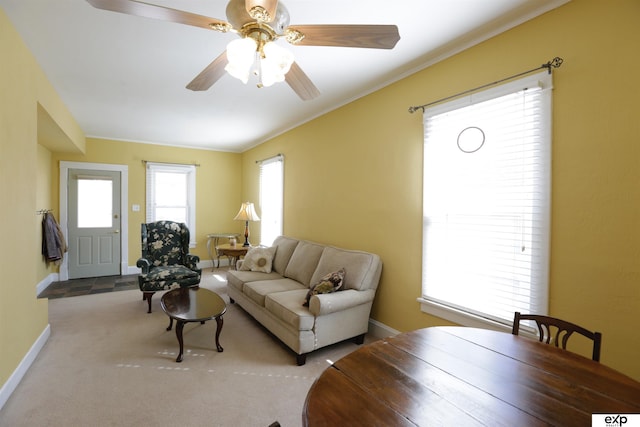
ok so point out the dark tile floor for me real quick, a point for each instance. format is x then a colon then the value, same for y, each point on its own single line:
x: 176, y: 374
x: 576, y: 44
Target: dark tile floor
x: 93, y: 285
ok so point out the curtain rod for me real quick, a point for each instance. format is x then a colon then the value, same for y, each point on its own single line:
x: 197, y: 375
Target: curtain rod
x: 172, y: 163
x: 270, y: 158
x: 554, y: 63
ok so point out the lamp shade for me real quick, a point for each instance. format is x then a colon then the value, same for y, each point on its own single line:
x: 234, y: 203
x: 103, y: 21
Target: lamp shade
x: 276, y: 63
x: 241, y: 54
x: 247, y: 213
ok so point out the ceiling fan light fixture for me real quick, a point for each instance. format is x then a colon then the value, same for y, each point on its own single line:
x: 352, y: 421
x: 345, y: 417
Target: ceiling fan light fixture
x: 241, y: 55
x: 274, y: 64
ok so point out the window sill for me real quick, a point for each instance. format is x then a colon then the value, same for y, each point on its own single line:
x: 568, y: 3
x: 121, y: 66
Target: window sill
x: 460, y: 317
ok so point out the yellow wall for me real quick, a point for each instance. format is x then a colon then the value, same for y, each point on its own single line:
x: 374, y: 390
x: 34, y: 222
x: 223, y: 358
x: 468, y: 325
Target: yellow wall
x: 43, y: 201
x: 25, y: 178
x: 217, y: 185
x: 353, y: 177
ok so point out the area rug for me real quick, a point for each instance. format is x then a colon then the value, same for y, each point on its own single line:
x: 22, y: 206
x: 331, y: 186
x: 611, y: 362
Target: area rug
x: 110, y: 363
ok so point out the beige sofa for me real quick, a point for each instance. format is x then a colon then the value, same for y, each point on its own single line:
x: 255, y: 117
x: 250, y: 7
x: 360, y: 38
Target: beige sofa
x: 275, y: 298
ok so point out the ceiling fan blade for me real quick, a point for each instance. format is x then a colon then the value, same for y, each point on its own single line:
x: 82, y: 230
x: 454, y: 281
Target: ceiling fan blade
x: 300, y: 83
x: 209, y: 75
x: 138, y: 8
x: 370, y: 36
x: 261, y: 10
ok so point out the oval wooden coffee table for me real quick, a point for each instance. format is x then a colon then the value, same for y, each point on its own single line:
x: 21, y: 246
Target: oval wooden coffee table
x: 193, y: 304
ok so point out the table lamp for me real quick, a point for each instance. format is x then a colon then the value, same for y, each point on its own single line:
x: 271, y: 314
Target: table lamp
x: 247, y: 213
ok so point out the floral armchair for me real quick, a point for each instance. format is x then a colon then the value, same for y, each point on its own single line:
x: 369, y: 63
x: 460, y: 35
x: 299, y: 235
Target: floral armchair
x: 166, y: 262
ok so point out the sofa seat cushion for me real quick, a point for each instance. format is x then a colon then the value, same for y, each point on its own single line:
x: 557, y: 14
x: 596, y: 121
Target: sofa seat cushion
x: 287, y: 307
x: 237, y: 279
x: 256, y: 291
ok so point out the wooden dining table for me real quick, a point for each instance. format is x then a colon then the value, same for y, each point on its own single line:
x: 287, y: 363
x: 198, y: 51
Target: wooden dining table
x: 459, y: 376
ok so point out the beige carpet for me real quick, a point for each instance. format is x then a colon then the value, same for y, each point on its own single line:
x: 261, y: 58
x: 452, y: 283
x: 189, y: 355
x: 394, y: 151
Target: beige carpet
x: 109, y: 363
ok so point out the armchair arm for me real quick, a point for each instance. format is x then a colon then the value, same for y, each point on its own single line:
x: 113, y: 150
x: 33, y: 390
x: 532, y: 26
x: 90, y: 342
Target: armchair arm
x: 143, y: 264
x: 191, y: 261
x: 337, y: 301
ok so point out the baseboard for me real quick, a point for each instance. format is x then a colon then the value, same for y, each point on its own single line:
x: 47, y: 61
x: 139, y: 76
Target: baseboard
x: 52, y: 277
x: 15, y: 378
x: 380, y: 330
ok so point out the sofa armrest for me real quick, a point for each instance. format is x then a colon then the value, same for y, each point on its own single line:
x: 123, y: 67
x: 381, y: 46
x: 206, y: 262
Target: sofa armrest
x: 338, y: 301
x: 143, y: 264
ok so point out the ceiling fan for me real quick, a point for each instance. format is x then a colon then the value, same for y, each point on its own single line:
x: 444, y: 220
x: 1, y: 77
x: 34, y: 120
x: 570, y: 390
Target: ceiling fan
x: 259, y: 23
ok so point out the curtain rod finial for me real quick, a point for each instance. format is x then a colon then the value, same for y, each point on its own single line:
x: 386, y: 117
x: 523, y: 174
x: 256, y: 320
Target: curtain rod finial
x: 554, y: 63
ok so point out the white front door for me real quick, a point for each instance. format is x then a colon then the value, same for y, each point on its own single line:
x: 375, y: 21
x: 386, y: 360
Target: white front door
x: 94, y: 223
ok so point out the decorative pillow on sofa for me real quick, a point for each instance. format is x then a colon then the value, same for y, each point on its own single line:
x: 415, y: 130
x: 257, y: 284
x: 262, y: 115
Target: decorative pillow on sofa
x: 259, y: 259
x: 332, y: 282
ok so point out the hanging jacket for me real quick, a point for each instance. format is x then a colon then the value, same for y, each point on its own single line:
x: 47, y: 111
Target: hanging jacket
x: 53, y: 242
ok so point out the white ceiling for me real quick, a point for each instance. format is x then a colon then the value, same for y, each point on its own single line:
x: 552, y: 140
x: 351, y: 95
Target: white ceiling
x: 123, y: 77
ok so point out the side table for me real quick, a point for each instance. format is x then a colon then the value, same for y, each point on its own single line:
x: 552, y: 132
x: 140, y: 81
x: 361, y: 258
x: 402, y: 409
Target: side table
x: 215, y: 237
x: 233, y: 252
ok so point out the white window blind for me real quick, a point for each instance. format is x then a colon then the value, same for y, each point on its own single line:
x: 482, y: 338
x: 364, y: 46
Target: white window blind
x: 271, y: 198
x: 171, y: 195
x: 486, y: 203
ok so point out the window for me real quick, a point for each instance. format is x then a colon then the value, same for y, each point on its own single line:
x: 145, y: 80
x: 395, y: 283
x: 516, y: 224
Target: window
x: 171, y: 195
x: 271, y: 198
x: 95, y: 201
x: 486, y: 204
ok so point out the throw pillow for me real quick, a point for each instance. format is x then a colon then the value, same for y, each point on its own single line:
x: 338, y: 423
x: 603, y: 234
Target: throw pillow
x: 259, y: 259
x: 332, y: 282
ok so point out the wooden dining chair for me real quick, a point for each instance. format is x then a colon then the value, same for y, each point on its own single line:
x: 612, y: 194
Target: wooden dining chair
x: 563, y: 331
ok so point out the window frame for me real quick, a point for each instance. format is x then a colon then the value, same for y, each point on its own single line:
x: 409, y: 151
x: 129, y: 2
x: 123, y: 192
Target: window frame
x: 189, y: 171
x: 460, y: 315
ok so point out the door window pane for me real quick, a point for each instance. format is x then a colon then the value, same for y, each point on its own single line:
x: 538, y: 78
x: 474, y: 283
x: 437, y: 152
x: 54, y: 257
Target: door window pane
x: 95, y: 203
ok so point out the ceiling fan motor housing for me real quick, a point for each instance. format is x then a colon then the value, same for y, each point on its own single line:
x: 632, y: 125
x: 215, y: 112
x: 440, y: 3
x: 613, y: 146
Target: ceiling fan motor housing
x: 238, y: 17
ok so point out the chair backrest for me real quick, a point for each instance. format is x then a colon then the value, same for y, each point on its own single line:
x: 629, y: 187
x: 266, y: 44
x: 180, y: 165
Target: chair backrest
x: 563, y: 330
x: 165, y: 243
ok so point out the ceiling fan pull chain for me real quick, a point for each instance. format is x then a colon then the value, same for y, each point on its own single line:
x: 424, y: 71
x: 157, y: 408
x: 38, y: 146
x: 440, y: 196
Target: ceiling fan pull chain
x: 258, y: 69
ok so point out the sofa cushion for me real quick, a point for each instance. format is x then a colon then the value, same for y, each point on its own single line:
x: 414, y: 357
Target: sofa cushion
x: 331, y: 282
x: 358, y: 265
x: 256, y: 291
x: 286, y: 307
x: 237, y: 279
x: 286, y: 246
x: 259, y: 259
x: 303, y: 262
